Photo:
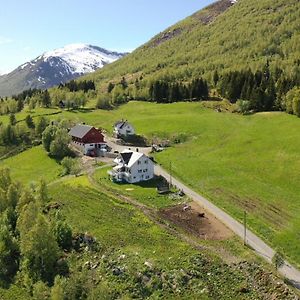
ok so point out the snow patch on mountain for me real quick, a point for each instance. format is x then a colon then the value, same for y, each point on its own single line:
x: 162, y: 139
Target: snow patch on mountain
x: 82, y: 58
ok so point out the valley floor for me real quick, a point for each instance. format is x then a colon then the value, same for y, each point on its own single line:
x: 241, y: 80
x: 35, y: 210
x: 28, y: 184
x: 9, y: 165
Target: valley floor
x: 238, y: 162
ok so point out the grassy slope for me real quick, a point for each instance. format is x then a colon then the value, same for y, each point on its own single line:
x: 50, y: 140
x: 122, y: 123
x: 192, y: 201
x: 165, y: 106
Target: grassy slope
x: 32, y: 165
x: 239, y: 162
x: 232, y: 41
x: 122, y: 229
x: 145, y: 192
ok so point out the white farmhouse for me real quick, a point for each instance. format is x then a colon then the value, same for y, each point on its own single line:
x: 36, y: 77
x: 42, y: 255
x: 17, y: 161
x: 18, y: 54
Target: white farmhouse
x: 132, y: 167
x: 123, y: 128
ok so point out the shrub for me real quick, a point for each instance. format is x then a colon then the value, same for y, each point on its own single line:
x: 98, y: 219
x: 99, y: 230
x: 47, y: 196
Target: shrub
x: 278, y: 260
x: 71, y: 166
x: 243, y: 106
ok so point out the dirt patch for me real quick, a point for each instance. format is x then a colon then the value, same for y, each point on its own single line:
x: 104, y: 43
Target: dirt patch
x: 165, y: 36
x: 211, y: 12
x: 192, y: 220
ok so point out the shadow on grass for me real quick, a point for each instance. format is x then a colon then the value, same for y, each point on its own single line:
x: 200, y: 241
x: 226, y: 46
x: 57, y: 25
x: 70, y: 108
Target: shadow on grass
x: 153, y: 183
x: 81, y: 110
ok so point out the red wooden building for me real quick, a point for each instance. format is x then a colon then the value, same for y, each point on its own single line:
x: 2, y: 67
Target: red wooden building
x: 88, y: 139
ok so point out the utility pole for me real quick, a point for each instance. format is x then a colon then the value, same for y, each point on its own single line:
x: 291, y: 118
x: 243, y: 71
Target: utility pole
x: 245, y: 228
x: 170, y: 175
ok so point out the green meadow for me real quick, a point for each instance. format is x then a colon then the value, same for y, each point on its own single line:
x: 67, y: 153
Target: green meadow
x: 124, y: 231
x: 239, y: 162
x: 144, y: 192
x: 32, y: 165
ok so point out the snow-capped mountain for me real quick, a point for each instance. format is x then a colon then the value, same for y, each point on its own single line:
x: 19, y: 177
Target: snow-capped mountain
x: 55, y: 67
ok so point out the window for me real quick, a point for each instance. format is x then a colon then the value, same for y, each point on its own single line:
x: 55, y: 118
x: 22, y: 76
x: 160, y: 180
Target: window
x: 139, y: 162
x: 146, y: 170
x: 140, y: 171
x: 146, y: 161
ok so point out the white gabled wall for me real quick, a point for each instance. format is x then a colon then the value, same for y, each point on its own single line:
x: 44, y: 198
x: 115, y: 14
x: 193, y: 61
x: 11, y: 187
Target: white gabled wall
x: 125, y: 130
x: 142, y: 170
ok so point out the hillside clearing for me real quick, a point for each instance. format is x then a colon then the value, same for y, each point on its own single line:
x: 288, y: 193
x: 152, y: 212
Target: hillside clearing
x: 32, y: 165
x: 239, y: 162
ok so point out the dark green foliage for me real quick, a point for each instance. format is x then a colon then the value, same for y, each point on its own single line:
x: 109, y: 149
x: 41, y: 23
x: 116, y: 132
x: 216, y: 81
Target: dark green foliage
x: 278, y: 260
x: 56, y: 141
x: 59, y: 147
x: 216, y: 78
x: 28, y: 93
x: 9, y: 254
x: 29, y: 122
x: 124, y: 83
x: 10, y: 136
x: 12, y: 119
x: 74, y: 86
x: 45, y: 99
x: 165, y: 92
x: 40, y: 126
x: 110, y: 87
x: 39, y: 251
x: 63, y: 235
x: 71, y: 166
x: 258, y: 88
x: 48, y: 136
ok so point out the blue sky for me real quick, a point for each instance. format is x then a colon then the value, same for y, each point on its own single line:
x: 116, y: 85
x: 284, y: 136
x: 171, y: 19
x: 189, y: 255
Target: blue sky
x: 31, y: 27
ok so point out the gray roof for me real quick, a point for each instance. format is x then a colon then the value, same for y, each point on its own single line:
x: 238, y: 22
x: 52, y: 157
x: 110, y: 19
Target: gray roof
x: 122, y: 123
x: 126, y: 156
x: 80, y: 131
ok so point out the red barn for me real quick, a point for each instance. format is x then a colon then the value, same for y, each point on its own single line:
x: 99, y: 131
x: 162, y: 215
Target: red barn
x: 89, y: 139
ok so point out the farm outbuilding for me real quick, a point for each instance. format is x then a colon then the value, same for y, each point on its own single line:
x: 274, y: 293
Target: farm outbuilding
x: 87, y: 139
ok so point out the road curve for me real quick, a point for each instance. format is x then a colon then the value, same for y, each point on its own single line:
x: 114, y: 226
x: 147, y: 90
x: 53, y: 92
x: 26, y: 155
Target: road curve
x: 258, y: 245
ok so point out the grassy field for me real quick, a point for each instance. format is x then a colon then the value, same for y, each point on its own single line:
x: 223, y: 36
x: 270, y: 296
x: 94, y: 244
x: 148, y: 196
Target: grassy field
x: 35, y: 113
x: 240, y: 162
x: 121, y: 229
x: 144, y: 192
x: 32, y: 165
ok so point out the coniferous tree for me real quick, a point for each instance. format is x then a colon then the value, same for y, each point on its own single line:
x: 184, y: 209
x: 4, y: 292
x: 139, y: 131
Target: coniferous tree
x: 12, y: 119
x: 29, y: 122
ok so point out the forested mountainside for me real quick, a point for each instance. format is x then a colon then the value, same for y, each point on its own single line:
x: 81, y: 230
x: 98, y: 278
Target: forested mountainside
x: 223, y: 37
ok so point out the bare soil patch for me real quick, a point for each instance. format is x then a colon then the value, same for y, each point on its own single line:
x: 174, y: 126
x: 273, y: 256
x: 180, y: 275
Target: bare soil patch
x: 205, y: 227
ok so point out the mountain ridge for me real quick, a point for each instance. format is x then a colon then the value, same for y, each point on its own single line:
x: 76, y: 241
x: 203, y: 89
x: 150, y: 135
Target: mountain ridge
x: 230, y: 41
x: 55, y: 67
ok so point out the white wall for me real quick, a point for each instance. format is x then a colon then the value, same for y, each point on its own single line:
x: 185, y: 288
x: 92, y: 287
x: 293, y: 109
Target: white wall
x: 143, y: 171
x: 125, y: 130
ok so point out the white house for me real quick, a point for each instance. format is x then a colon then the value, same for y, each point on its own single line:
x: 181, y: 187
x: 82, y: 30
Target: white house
x: 132, y: 167
x: 123, y: 128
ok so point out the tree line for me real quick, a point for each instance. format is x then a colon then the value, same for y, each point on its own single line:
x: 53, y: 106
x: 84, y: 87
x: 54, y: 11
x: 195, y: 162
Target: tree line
x: 32, y: 239
x: 262, y: 90
x: 75, y: 86
x: 167, y: 92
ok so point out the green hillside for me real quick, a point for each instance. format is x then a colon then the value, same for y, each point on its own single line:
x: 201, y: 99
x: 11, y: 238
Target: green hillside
x: 221, y: 38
